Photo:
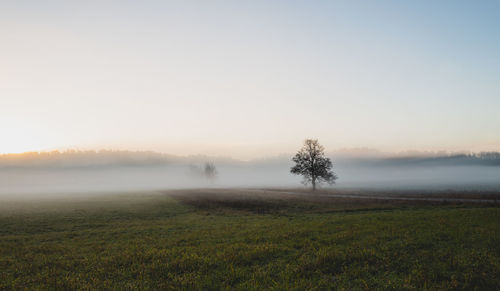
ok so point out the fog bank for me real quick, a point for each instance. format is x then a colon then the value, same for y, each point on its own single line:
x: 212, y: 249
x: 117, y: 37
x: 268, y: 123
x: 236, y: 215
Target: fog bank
x: 128, y: 171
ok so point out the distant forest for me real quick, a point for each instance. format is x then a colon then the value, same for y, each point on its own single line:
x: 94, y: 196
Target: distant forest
x: 76, y: 159
x: 111, y: 158
x: 482, y: 158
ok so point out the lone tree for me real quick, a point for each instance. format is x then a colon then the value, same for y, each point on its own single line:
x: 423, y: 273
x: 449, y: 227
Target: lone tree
x: 210, y: 172
x: 311, y: 163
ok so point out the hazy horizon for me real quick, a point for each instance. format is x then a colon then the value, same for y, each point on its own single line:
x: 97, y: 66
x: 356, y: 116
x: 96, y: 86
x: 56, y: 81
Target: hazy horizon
x: 96, y: 171
x: 364, y: 152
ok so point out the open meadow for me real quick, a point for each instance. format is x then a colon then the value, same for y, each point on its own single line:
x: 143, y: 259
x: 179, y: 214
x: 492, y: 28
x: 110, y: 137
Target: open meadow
x: 239, y: 239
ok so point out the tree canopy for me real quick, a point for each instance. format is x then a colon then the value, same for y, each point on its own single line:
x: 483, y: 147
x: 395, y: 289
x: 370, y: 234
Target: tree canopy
x: 313, y: 165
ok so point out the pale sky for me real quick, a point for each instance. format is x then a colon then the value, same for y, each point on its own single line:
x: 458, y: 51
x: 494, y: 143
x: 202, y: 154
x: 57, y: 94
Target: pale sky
x: 249, y: 78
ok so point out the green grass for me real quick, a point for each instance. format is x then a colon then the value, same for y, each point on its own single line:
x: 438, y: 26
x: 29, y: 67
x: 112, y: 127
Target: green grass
x: 209, y: 241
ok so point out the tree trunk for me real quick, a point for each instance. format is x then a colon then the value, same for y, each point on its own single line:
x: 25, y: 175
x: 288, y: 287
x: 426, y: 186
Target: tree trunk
x: 314, y: 184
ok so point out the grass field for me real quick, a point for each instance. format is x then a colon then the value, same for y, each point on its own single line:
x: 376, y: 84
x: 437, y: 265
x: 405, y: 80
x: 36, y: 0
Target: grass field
x: 244, y: 239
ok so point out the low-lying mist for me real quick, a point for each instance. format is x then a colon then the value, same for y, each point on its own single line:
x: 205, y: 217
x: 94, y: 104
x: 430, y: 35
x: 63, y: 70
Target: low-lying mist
x: 74, y: 172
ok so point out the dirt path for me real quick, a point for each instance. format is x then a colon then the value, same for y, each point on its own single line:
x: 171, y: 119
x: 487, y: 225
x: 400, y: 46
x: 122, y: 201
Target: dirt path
x: 386, y: 197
